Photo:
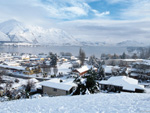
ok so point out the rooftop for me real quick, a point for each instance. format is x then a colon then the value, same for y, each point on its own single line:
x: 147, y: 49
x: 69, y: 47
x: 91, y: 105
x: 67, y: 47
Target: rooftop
x: 55, y: 83
x: 126, y: 82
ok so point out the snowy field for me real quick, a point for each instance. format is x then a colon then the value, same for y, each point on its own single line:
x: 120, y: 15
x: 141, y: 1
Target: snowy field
x: 97, y: 103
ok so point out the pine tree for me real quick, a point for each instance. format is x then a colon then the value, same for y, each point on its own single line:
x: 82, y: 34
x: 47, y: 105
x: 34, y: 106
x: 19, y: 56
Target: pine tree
x: 89, y: 84
x: 81, y: 56
x: 123, y: 55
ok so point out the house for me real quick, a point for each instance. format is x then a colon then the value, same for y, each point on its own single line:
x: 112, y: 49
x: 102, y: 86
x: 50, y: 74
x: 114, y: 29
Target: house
x: 82, y: 70
x: 127, y: 62
x: 58, y: 87
x: 12, y: 68
x: 141, y: 70
x: 121, y: 83
x: 76, y: 63
x: 110, y: 69
x: 122, y: 62
x: 13, y: 63
x: 25, y: 57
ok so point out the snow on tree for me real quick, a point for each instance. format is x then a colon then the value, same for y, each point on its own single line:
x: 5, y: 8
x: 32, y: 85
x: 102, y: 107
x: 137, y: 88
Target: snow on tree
x: 55, y: 70
x: 88, y: 82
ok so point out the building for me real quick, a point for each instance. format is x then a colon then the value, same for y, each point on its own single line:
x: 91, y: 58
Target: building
x: 121, y: 83
x: 122, y: 62
x: 12, y: 68
x: 110, y: 69
x: 141, y: 70
x: 58, y: 87
x: 82, y: 70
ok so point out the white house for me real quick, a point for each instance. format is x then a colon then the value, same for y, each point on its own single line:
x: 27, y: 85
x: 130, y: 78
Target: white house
x: 121, y: 83
x: 58, y: 87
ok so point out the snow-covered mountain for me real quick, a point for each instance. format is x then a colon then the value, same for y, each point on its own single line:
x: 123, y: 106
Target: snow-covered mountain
x: 130, y: 43
x: 3, y: 37
x: 15, y: 31
x: 92, y: 43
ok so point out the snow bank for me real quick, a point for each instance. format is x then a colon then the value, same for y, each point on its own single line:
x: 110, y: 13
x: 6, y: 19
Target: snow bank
x: 97, y: 103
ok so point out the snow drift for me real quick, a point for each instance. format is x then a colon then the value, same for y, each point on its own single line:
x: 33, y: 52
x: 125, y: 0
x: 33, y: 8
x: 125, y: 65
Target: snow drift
x: 97, y: 103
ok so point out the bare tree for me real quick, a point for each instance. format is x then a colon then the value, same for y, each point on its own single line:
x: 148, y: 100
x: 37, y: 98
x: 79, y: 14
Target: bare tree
x: 28, y: 87
x: 81, y: 56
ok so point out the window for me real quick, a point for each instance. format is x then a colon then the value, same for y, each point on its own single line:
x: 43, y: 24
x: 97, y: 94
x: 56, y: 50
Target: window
x: 55, y: 90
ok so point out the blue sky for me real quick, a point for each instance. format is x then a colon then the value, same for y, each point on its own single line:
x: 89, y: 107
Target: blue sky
x: 114, y: 9
x: 100, y: 20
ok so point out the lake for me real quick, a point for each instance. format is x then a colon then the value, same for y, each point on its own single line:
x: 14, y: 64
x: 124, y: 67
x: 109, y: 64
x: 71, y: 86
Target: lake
x: 89, y: 50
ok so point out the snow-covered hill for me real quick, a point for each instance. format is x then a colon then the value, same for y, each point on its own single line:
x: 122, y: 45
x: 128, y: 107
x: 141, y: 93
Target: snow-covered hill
x: 97, y: 103
x: 18, y: 32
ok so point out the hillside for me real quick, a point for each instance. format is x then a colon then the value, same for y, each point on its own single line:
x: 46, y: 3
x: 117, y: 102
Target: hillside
x: 97, y: 103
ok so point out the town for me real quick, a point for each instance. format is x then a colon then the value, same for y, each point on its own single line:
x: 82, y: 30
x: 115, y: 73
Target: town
x: 25, y: 75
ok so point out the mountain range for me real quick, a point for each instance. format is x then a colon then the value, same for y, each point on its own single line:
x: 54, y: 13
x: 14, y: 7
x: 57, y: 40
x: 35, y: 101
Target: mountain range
x: 128, y: 43
x: 13, y: 31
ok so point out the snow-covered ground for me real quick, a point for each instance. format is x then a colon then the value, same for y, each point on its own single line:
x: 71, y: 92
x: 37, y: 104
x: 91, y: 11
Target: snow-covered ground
x: 64, y: 68
x: 97, y: 103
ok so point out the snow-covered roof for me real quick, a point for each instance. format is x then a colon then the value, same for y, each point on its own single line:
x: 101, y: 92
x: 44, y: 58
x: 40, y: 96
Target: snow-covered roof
x: 132, y: 60
x: 34, y: 80
x: 55, y: 83
x: 134, y: 74
x: 108, y: 69
x: 83, y: 69
x: 126, y: 82
x: 13, y: 67
x: 144, y: 62
x: 64, y: 68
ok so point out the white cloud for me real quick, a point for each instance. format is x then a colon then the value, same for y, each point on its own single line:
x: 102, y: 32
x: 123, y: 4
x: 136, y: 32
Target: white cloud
x: 135, y: 9
x: 109, y: 30
x: 52, y: 13
x: 76, y: 10
x: 139, y: 9
x: 68, y: 9
x: 36, y: 11
x: 101, y: 14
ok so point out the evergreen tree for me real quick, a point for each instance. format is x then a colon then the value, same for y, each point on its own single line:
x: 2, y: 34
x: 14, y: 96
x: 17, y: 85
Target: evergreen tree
x: 81, y: 56
x: 134, y: 56
x: 115, y: 56
x: 123, y: 55
x: 53, y: 58
x: 101, y: 73
x: 89, y: 83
